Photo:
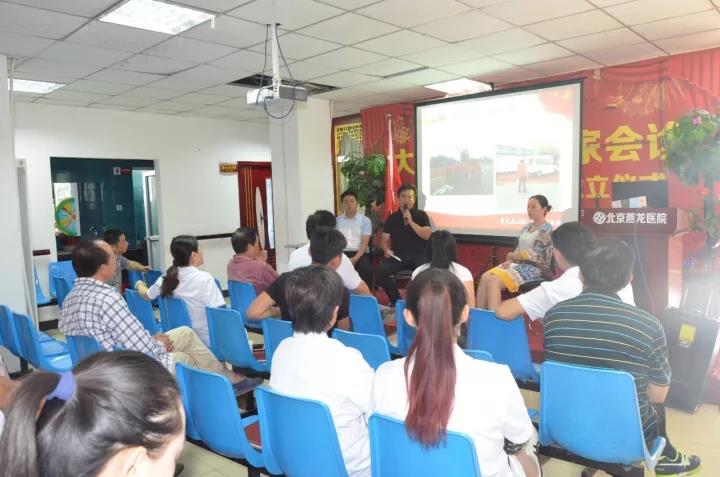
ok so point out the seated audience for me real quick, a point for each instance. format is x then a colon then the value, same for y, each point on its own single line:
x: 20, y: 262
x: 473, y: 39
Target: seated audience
x: 119, y: 244
x: 300, y: 257
x: 529, y: 261
x: 7, y: 390
x: 570, y: 241
x: 249, y: 264
x: 326, y: 246
x: 115, y: 414
x: 94, y: 308
x: 313, y: 366
x: 184, y: 280
x: 406, y: 230
x: 598, y: 329
x: 357, y: 230
x: 441, y: 253
x: 439, y: 388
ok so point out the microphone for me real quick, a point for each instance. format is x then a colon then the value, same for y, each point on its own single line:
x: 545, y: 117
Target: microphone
x: 405, y: 218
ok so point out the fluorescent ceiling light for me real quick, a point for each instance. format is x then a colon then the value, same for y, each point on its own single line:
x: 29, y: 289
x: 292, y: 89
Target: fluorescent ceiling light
x: 156, y: 16
x: 29, y: 86
x: 462, y: 85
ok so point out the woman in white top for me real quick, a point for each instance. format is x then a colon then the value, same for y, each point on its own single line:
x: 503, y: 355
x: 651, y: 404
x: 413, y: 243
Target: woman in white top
x: 439, y: 388
x: 441, y: 253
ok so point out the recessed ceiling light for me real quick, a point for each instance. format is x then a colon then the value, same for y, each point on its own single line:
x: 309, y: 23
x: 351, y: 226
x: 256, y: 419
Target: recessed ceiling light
x: 156, y: 16
x: 30, y: 86
x: 461, y: 86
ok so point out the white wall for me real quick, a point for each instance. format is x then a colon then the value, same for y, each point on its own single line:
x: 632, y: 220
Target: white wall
x: 194, y: 197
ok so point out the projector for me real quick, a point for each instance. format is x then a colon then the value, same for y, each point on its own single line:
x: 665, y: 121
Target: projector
x: 285, y: 92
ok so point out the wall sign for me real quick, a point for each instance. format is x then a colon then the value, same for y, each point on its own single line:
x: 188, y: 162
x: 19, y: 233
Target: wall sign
x: 228, y: 168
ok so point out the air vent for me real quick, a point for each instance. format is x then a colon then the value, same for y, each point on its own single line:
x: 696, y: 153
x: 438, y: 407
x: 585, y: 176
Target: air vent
x: 258, y: 80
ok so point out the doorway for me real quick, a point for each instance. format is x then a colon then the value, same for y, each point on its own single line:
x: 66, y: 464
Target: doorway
x: 256, y: 205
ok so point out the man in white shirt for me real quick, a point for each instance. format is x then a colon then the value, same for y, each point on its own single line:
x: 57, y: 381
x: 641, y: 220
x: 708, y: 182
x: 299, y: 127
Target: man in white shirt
x: 357, y: 230
x: 313, y: 366
x: 570, y: 241
x: 301, y: 256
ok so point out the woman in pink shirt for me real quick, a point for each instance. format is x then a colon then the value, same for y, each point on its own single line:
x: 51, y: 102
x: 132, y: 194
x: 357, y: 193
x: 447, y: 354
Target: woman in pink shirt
x: 249, y: 264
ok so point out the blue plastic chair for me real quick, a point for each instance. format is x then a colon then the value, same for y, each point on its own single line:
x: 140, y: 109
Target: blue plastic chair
x: 40, y: 297
x: 219, y: 285
x: 173, y: 313
x: 63, y: 285
x: 395, y: 454
x: 60, y: 269
x: 32, y: 349
x: 241, y: 295
x: 81, y: 347
x: 366, y: 318
x: 506, y: 341
x: 134, y: 276
x: 11, y: 341
x: 142, y: 310
x: 594, y: 413
x: 373, y: 348
x: 274, y: 331
x: 152, y: 275
x: 212, y: 408
x: 405, y: 332
x: 298, y: 436
x: 229, y: 339
x: 480, y: 354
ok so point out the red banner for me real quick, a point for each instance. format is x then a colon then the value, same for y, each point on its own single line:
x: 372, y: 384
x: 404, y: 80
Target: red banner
x: 375, y: 135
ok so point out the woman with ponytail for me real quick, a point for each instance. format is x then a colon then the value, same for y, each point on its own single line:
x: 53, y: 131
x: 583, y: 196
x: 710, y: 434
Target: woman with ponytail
x: 439, y: 388
x: 115, y: 414
x: 185, y: 281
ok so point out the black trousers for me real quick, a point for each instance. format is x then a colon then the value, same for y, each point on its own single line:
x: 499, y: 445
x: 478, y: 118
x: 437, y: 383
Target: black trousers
x: 389, y: 266
x: 669, y: 451
x: 363, y: 266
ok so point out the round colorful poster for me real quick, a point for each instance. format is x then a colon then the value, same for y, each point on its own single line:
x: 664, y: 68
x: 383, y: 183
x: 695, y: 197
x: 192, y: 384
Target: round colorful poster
x: 66, y: 217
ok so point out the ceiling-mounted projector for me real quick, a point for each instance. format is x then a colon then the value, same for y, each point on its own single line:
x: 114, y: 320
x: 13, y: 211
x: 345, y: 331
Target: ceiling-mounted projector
x: 281, y: 92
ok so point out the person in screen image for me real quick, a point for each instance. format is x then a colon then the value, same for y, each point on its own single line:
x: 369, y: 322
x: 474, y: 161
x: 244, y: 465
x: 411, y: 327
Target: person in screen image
x: 522, y: 175
x: 529, y: 261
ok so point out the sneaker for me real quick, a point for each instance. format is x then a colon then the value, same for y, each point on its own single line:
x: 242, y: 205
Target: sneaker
x: 682, y: 465
x: 246, y: 385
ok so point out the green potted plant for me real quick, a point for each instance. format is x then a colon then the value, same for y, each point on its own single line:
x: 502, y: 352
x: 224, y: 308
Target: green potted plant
x: 366, y: 177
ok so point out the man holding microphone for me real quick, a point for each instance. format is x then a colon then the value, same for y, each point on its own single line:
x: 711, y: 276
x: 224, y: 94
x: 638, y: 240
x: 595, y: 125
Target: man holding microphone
x: 407, y: 231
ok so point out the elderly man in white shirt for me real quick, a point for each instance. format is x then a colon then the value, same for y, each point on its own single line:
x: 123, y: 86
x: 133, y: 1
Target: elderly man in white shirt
x: 570, y: 241
x: 300, y: 257
x: 313, y: 366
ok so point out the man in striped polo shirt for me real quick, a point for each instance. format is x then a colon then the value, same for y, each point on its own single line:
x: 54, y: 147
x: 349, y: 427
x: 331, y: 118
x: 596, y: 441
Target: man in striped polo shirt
x: 598, y: 329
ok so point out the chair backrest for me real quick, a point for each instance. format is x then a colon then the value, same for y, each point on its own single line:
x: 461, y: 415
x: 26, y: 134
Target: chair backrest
x: 63, y: 285
x: 274, y: 331
x: 142, y: 310
x: 81, y: 347
x: 395, y: 454
x: 173, y: 313
x: 32, y: 350
x: 298, y: 436
x: 405, y: 332
x: 480, y: 354
x: 241, y: 295
x: 8, y: 333
x: 40, y: 297
x: 228, y: 336
x: 506, y: 341
x: 60, y: 269
x: 365, y: 315
x: 134, y: 276
x: 212, y: 407
x: 151, y: 276
x: 374, y: 348
x: 591, y: 412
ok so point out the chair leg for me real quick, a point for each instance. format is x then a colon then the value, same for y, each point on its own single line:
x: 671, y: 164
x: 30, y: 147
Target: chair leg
x: 588, y: 472
x: 253, y: 472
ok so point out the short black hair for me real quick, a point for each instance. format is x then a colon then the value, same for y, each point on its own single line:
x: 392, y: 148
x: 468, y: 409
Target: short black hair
x: 319, y: 218
x: 312, y: 293
x: 348, y: 193
x: 407, y: 186
x: 326, y: 244
x: 572, y: 240
x: 112, y: 236
x: 607, y: 265
x: 87, y: 257
x: 242, y: 238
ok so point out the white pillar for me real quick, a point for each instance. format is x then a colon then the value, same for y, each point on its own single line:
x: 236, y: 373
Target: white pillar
x: 301, y: 171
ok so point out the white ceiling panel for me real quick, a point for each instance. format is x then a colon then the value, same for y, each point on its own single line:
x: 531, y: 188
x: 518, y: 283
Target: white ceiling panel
x: 129, y: 101
x: 463, y: 26
x: 215, y: 110
x: 176, y: 106
x: 124, y: 77
x: 199, y: 98
x: 445, y: 55
x: 400, y: 43
x: 115, y: 107
x: 422, y: 78
x: 344, y: 79
x: 574, y: 25
x: 682, y: 44
x: 67, y: 95
x: 245, y: 60
x: 154, y: 64
x: 58, y: 68
x: 44, y: 76
x: 303, y: 71
x: 500, y: 42
x: 188, y: 49
x: 19, y: 46
x: 229, y: 31
x: 644, y: 11
x: 420, y: 93
x: 562, y: 65
x: 626, y: 54
x: 203, y: 76
x: 476, y: 67
x: 290, y: 14
x: 509, y: 76
x: 535, y: 54
x: 345, y: 58
x: 349, y: 27
x: 299, y: 47
x: 524, y: 12
x: 116, y: 37
x: 216, y: 6
x: 156, y: 110
x: 607, y: 3
x: 350, y: 4
x: 227, y: 91
x: 153, y: 93
x: 685, y: 25
x: 62, y: 102
x: 238, y: 104
x: 83, y: 54
x: 99, y: 87
x: 483, y: 3
x: 602, y: 41
x: 409, y: 13
x: 387, y: 67
x: 347, y: 95
x: 82, y: 8
x: 383, y: 86
x: 35, y: 22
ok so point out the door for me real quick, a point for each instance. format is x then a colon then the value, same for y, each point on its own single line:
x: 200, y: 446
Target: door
x: 154, y: 247
x: 255, y: 200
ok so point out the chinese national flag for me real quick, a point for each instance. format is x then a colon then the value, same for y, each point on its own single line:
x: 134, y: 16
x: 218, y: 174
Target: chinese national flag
x: 392, y: 175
